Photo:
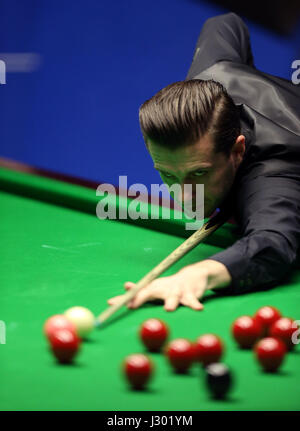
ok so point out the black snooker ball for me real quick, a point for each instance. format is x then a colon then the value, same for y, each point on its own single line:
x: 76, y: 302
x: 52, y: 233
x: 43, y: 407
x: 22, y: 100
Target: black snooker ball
x: 218, y: 380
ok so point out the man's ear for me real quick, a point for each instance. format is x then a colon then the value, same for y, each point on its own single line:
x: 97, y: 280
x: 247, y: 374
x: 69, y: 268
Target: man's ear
x: 146, y: 141
x: 239, y: 149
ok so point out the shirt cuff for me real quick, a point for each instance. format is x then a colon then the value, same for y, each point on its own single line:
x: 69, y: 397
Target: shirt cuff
x: 240, y: 269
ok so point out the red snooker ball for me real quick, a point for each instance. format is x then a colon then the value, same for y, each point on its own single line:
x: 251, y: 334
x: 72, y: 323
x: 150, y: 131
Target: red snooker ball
x: 270, y: 353
x: 181, y: 354
x: 283, y: 328
x: 58, y: 321
x: 208, y: 349
x: 266, y: 316
x: 246, y: 331
x: 138, y: 369
x: 154, y: 333
x: 64, y: 345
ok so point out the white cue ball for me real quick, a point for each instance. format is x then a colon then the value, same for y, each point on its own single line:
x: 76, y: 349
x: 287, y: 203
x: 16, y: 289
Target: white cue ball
x: 82, y: 318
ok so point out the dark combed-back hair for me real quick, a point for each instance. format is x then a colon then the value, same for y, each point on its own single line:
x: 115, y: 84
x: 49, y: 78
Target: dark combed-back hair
x: 183, y: 112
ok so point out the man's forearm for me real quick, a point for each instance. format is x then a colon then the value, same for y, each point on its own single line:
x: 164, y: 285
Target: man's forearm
x: 259, y: 260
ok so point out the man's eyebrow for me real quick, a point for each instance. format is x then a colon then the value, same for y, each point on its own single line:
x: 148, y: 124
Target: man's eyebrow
x: 198, y: 168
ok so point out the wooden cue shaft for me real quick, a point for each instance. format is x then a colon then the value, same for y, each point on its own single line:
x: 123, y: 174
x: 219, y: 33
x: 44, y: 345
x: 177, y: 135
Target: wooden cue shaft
x: 198, y: 236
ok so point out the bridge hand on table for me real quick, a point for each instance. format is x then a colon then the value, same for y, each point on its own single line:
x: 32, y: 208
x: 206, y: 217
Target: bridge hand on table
x: 186, y: 287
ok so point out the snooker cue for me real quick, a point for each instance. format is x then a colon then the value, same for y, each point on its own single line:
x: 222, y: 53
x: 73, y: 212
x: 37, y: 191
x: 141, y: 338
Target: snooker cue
x: 209, y: 227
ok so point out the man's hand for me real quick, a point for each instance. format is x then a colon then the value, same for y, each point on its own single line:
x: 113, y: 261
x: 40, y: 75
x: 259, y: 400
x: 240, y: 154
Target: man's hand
x: 186, y: 287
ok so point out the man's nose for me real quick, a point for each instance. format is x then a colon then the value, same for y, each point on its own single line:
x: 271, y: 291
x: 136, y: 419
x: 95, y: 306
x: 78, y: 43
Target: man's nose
x: 187, y: 192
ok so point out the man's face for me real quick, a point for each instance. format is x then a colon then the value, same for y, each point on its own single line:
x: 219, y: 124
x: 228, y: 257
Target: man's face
x: 199, y: 164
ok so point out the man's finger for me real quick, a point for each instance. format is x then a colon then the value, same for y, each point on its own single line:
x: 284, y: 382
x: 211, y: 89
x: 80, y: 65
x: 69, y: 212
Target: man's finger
x: 171, y: 303
x: 128, y: 285
x: 141, y: 297
x: 190, y: 300
x: 113, y: 300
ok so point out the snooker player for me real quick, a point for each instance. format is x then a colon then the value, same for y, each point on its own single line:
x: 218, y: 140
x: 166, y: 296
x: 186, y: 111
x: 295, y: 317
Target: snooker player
x: 236, y: 130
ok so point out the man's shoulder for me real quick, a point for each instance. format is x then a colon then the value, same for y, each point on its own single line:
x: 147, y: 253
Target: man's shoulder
x: 271, y: 97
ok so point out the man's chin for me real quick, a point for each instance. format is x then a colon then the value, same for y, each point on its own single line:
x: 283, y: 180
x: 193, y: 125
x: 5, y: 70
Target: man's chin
x: 211, y: 213
x: 207, y: 211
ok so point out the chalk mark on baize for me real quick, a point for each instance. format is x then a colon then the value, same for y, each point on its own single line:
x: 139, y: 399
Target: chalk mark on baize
x: 70, y: 248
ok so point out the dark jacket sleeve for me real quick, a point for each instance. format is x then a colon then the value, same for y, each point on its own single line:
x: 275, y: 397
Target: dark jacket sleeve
x: 223, y: 37
x: 269, y: 216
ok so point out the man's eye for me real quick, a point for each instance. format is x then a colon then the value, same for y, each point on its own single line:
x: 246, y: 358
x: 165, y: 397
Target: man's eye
x: 199, y: 173
x: 167, y: 175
